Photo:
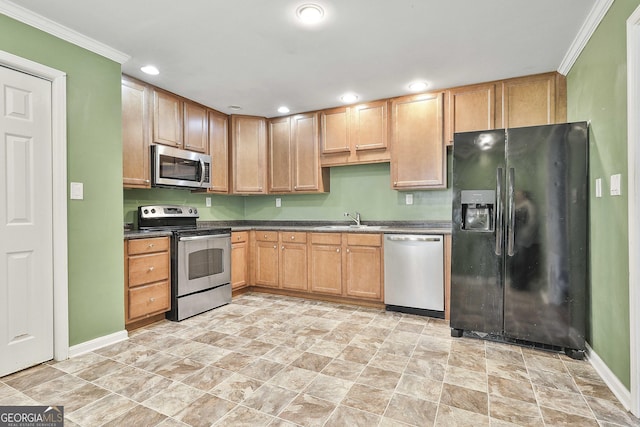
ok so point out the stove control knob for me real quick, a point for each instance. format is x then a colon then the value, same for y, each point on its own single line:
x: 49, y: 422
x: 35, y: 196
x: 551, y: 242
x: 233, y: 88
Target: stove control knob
x: 195, y: 211
x: 146, y: 211
x: 179, y: 211
x: 153, y: 211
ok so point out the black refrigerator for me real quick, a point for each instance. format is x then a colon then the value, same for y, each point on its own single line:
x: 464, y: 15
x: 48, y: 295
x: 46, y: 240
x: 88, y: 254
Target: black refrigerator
x: 520, y: 235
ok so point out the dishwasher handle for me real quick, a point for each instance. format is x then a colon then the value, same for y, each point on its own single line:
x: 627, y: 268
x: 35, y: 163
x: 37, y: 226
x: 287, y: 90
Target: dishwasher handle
x: 413, y: 238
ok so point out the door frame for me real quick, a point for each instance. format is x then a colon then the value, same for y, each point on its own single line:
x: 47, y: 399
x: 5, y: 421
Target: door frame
x: 633, y: 159
x: 58, y: 81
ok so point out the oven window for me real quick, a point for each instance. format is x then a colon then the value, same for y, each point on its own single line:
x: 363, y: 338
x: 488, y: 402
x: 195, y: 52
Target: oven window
x: 177, y: 168
x: 206, y: 262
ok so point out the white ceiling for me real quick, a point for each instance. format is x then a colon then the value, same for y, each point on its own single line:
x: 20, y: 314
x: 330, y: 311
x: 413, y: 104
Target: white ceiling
x: 255, y: 53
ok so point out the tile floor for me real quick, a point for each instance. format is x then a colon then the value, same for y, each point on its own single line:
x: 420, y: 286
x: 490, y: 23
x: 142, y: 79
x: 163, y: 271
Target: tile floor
x: 268, y: 360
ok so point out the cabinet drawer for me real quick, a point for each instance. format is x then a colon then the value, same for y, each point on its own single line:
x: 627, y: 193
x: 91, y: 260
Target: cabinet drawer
x: 239, y: 236
x: 364, y: 239
x: 267, y: 236
x: 293, y: 237
x: 149, y: 299
x: 326, y: 238
x: 148, y: 268
x: 146, y: 246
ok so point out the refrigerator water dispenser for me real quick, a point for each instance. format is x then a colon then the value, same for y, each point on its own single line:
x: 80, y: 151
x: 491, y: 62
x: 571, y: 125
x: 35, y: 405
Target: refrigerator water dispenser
x: 477, y: 210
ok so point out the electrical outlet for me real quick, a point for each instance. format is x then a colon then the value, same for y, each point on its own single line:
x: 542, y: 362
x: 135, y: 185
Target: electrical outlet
x: 598, y: 187
x: 278, y: 202
x: 207, y: 202
x: 615, y: 185
x: 408, y: 199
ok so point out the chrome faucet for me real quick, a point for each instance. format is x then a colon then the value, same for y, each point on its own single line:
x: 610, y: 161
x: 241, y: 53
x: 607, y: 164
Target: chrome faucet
x: 356, y: 219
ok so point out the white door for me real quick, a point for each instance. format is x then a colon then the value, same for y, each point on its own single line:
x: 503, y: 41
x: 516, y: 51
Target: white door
x: 26, y: 256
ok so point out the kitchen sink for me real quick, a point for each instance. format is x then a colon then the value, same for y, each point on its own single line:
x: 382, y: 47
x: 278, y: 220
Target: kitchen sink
x: 362, y: 227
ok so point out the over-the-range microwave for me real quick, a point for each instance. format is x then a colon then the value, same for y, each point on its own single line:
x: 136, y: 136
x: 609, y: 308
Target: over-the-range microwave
x: 175, y: 168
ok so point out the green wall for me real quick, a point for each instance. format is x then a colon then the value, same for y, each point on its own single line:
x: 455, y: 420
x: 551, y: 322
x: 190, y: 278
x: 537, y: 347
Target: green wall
x: 94, y: 157
x: 597, y: 91
x: 362, y: 188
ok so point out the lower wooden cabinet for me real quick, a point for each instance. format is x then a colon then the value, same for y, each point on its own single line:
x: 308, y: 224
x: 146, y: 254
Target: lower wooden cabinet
x: 363, y: 266
x: 239, y: 259
x: 325, y: 265
x: 280, y: 260
x: 147, y: 278
x: 266, y: 258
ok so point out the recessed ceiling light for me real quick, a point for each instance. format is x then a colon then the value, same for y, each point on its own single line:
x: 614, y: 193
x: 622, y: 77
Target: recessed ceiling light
x: 283, y: 110
x: 234, y: 107
x: 348, y: 98
x: 310, y: 13
x: 418, y: 86
x: 150, y: 69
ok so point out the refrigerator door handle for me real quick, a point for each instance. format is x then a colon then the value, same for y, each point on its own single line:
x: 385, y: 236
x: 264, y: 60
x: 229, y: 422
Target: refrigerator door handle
x: 498, y: 219
x: 512, y: 212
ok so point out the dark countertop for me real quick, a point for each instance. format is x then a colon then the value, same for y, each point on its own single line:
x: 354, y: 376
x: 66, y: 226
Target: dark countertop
x: 390, y: 227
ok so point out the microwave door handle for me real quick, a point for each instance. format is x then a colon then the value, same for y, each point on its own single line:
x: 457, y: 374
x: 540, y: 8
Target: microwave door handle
x: 201, y: 172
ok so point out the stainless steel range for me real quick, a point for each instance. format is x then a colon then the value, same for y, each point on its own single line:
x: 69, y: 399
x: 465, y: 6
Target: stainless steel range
x: 200, y: 259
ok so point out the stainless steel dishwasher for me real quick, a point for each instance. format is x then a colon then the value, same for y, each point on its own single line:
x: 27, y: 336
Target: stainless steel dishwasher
x: 414, y: 274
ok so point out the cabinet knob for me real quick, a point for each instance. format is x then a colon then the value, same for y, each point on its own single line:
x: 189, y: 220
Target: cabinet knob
x: 152, y: 299
x: 275, y: 246
x: 295, y: 187
x: 150, y: 245
x: 265, y: 236
x: 348, y: 251
x: 337, y: 250
x: 283, y: 248
x: 146, y: 181
x: 152, y: 268
x: 395, y: 183
x: 357, y: 146
x: 293, y: 237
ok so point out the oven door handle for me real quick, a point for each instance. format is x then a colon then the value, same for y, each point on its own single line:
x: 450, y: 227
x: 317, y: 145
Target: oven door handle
x: 208, y: 236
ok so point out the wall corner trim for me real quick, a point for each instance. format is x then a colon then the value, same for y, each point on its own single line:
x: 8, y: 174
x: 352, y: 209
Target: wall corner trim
x: 28, y: 17
x: 94, y: 344
x: 620, y: 391
x: 589, y: 26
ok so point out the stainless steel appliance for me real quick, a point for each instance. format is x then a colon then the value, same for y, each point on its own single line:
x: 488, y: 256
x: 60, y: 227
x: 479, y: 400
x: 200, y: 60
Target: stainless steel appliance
x: 200, y: 259
x: 519, y: 238
x: 413, y: 274
x: 175, y: 168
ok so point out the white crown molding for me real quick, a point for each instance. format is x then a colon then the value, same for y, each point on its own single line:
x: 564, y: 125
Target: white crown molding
x: 28, y: 17
x: 589, y: 26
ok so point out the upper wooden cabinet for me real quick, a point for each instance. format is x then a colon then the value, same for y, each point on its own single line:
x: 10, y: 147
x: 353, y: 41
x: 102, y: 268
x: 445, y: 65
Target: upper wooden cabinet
x: 357, y: 134
x: 470, y: 108
x: 178, y: 122
x: 418, y: 159
x: 167, y: 118
x: 196, y: 125
x: 533, y: 100
x: 248, y: 154
x: 218, y: 127
x: 136, y: 134
x: 294, y: 162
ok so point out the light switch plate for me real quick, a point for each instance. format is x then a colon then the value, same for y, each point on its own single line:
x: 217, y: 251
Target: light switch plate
x: 207, y: 202
x: 615, y: 185
x: 598, y: 187
x: 408, y: 199
x: 278, y: 202
x: 77, y: 191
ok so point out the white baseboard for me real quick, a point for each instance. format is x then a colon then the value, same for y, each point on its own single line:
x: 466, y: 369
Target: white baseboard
x: 97, y: 343
x: 619, y: 389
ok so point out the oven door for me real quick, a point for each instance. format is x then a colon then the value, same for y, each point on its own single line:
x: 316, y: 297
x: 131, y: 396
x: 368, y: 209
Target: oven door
x: 203, y: 262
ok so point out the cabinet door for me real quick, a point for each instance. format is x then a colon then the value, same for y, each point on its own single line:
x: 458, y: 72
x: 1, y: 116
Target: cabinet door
x: 326, y: 269
x: 470, y: 108
x: 249, y: 154
x: 167, y: 119
x: 219, y: 151
x: 529, y: 101
x: 368, y: 124
x: 293, y: 266
x: 239, y: 251
x: 363, y: 275
x: 335, y: 131
x: 136, y: 133
x: 280, y: 155
x: 304, y: 129
x: 196, y: 125
x: 266, y: 263
x: 418, y: 159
